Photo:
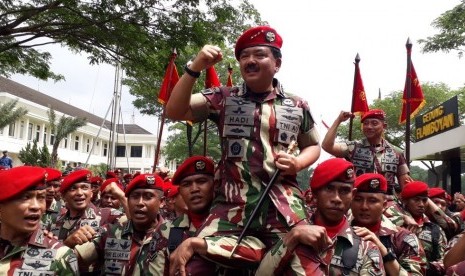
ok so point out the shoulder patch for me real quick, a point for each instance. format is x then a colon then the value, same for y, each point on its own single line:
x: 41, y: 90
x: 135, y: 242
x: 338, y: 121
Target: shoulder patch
x: 412, y: 241
x: 375, y: 257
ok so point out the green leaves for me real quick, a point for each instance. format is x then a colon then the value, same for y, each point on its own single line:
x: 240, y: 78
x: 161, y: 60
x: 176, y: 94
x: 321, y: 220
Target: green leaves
x: 10, y: 113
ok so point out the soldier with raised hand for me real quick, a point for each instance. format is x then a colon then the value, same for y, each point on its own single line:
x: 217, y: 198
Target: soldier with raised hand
x: 131, y: 248
x: 257, y: 120
x: 332, y: 245
x: 24, y: 248
x: 401, y: 251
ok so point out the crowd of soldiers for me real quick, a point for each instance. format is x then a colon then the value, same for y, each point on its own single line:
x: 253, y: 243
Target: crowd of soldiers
x: 362, y: 215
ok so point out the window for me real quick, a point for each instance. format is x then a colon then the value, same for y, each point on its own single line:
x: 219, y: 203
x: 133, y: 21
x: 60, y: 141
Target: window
x: 21, y: 130
x: 65, y: 142
x: 37, y: 133
x: 29, y: 131
x: 105, y: 149
x: 88, y: 145
x: 120, y: 151
x: 76, y: 143
x: 45, y: 135
x: 52, y: 138
x: 11, y: 130
x: 136, y: 151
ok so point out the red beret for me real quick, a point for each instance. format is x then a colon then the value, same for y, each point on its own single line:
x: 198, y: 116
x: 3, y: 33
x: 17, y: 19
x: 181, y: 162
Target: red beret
x: 136, y: 174
x: 258, y: 36
x: 334, y: 169
x: 108, y: 182
x: 374, y: 113
x: 110, y: 174
x: 75, y: 177
x: 371, y: 183
x: 96, y: 180
x: 193, y: 165
x: 437, y: 192
x: 52, y: 174
x: 145, y: 181
x: 19, y: 179
x: 173, y: 191
x: 128, y: 175
x: 413, y: 189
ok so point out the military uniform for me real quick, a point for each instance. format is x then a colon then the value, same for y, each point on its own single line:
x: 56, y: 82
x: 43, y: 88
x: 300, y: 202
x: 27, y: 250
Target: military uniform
x: 365, y: 258
x: 40, y: 256
x: 123, y: 252
x: 51, y: 214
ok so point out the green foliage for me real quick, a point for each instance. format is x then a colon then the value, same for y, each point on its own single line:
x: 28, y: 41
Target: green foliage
x: 303, y: 178
x: 33, y: 156
x: 10, y: 113
x: 177, y: 144
x: 451, y: 25
x: 99, y: 169
x: 418, y: 173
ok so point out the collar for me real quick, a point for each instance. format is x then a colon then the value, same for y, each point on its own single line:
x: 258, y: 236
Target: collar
x: 336, y: 230
x: 197, y: 219
x: 387, y: 227
x: 383, y: 143
x: 278, y: 92
x: 128, y: 228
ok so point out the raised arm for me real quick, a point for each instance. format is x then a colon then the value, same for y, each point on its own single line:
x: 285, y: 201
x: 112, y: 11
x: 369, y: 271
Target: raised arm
x: 328, y: 142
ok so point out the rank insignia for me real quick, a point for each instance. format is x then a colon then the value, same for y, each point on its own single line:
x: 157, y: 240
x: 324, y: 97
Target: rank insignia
x: 150, y: 179
x: 270, y: 36
x: 374, y: 184
x: 200, y: 165
x: 350, y: 173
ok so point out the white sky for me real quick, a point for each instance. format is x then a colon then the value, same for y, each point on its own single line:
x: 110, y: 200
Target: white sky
x: 321, y: 39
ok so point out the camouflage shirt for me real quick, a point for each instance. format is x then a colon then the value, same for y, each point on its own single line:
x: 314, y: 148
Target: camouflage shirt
x: 123, y: 252
x: 40, y: 256
x: 253, y: 129
x: 51, y: 214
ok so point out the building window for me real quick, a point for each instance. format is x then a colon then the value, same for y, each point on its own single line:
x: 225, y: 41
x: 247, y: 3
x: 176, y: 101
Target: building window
x: 45, y: 135
x: 136, y: 151
x: 29, y: 131
x: 76, y: 143
x: 11, y: 130
x: 120, y: 151
x: 21, y: 130
x: 65, y: 142
x: 148, y: 152
x: 88, y: 145
x: 105, y: 149
x: 37, y: 133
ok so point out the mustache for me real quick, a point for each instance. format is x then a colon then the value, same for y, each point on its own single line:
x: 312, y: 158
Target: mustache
x: 251, y: 67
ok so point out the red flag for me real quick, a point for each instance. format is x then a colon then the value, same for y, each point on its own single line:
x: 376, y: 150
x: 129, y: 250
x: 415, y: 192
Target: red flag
x: 211, y: 78
x: 325, y: 124
x: 169, y: 81
x: 359, y: 99
x: 230, y: 82
x: 417, y: 100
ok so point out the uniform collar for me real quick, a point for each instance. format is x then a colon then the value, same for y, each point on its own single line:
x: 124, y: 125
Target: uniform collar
x: 387, y: 227
x: 278, y: 92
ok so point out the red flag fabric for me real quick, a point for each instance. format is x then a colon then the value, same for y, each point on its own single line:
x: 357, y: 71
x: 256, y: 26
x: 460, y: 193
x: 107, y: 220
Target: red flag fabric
x: 230, y: 82
x: 325, y: 124
x: 211, y: 78
x: 359, y: 104
x: 417, y: 100
x: 169, y: 81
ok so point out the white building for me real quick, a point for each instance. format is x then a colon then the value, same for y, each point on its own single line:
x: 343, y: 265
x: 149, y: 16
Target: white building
x: 135, y: 148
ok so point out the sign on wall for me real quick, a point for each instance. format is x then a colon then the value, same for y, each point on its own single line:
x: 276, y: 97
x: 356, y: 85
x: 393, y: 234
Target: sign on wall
x: 440, y: 119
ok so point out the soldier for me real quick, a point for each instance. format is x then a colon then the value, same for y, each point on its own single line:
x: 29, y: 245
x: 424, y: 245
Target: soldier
x: 337, y: 250
x: 446, y: 217
x: 109, y: 199
x: 25, y: 249
x: 95, y: 183
x: 83, y: 218
x: 127, y: 178
x: 129, y: 248
x: 400, y: 248
x: 5, y: 161
x: 432, y: 237
x: 371, y: 154
x: 257, y: 120
x: 179, y: 206
x: 53, y: 207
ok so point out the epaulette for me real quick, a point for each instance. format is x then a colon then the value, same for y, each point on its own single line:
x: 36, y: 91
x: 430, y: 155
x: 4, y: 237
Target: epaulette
x: 212, y: 90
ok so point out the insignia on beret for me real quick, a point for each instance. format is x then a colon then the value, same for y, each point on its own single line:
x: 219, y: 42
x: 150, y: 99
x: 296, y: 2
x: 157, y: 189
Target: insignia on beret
x: 150, y: 179
x: 374, y: 184
x: 350, y: 173
x: 88, y: 177
x: 45, y: 177
x: 270, y: 36
x: 200, y: 165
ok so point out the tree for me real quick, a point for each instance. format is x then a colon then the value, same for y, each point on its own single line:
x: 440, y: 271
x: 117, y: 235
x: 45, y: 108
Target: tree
x: 10, y: 113
x: 451, y: 29
x: 33, y: 156
x: 137, y: 34
x: 61, y: 130
x: 178, y: 142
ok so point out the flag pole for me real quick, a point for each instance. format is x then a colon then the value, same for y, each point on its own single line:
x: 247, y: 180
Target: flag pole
x: 408, y: 45
x: 357, y: 61
x: 163, y: 114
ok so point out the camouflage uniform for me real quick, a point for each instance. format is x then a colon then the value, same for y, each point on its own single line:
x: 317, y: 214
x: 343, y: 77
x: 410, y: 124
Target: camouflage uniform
x: 387, y: 159
x: 51, y: 214
x: 41, y: 256
x: 434, y: 250
x: 253, y: 129
x: 123, y: 252
x: 278, y: 261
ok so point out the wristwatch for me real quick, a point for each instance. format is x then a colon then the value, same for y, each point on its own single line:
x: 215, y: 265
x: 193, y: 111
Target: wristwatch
x: 389, y: 257
x: 191, y: 73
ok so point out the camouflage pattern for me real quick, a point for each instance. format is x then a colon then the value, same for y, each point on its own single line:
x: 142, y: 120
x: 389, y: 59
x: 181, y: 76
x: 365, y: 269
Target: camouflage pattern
x: 447, y: 223
x: 387, y: 159
x: 51, y: 214
x: 406, y: 247
x: 122, y: 252
x: 453, y: 241
x: 395, y: 213
x: 279, y: 261
x: 40, y: 256
x: 424, y: 234
x: 456, y: 270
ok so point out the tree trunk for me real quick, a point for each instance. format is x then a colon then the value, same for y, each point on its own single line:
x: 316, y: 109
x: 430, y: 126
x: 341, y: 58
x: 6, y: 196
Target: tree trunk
x: 189, y: 139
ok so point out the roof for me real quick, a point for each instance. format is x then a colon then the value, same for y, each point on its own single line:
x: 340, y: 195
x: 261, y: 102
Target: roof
x: 24, y: 92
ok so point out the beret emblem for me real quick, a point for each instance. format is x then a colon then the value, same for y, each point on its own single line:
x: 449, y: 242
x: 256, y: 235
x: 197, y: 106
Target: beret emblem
x: 374, y: 184
x: 200, y: 165
x: 270, y: 36
x: 150, y: 179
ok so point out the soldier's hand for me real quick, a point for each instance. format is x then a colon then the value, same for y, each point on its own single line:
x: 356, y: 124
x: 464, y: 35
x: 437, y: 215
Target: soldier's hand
x: 311, y: 235
x: 344, y: 116
x: 287, y: 163
x: 184, y: 252
x: 207, y: 57
x: 367, y: 235
x: 114, y: 190
x: 84, y: 234
x: 49, y: 234
x: 410, y: 224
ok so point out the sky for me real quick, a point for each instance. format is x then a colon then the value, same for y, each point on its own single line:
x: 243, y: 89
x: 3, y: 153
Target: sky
x: 320, y: 42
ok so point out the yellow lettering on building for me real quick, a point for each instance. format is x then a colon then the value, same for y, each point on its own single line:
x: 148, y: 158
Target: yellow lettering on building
x: 433, y: 114
x: 438, y: 125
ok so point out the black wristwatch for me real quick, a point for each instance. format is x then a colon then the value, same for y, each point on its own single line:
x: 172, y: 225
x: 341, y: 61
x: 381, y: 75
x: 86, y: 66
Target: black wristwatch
x: 389, y: 257
x: 191, y: 73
